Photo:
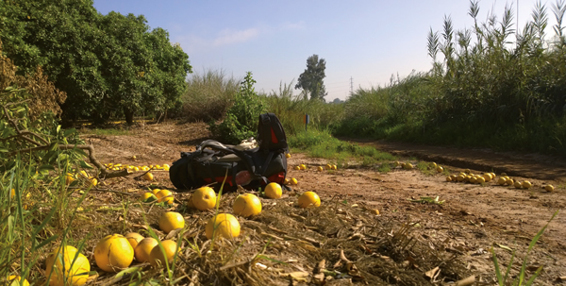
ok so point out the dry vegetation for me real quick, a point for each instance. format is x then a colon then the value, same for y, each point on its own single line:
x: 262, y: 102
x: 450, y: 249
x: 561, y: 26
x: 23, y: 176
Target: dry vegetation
x: 342, y: 242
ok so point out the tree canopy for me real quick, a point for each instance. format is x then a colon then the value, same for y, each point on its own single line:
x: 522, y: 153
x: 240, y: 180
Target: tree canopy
x: 109, y: 65
x: 312, y: 79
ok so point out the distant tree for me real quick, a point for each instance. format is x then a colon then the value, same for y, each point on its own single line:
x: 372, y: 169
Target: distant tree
x: 312, y: 79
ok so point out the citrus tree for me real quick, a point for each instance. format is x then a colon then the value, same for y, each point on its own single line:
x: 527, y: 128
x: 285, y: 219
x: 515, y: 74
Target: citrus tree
x: 109, y: 65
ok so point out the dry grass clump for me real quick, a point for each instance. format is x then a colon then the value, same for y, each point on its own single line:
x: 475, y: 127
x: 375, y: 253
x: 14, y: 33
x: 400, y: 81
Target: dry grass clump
x: 208, y: 96
x: 284, y: 245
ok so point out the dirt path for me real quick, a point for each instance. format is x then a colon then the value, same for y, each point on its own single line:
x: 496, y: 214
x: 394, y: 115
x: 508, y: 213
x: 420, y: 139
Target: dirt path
x: 537, y: 166
x: 472, y: 220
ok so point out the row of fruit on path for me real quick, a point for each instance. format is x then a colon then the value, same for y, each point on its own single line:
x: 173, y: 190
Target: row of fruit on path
x: 67, y: 266
x: 204, y: 198
x: 132, y: 168
x: 319, y: 168
x: 468, y: 177
x: 503, y: 180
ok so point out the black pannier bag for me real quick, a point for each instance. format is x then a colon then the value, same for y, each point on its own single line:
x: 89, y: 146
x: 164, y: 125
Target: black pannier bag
x: 213, y: 161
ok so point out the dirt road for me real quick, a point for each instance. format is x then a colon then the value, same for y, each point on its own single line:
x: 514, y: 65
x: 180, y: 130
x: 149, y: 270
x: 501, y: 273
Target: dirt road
x: 472, y: 219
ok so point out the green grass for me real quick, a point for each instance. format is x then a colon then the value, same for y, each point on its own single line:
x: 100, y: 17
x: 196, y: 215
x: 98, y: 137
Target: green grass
x: 321, y: 144
x: 106, y: 132
x: 384, y: 167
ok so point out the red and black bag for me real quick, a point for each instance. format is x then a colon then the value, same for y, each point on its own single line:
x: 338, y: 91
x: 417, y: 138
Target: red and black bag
x: 213, y: 162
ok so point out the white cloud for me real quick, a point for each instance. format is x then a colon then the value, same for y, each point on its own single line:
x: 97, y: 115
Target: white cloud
x: 226, y: 37
x: 292, y: 26
x: 229, y: 36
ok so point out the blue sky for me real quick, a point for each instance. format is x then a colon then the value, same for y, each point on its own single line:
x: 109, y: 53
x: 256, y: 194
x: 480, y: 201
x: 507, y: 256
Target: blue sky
x: 364, y: 42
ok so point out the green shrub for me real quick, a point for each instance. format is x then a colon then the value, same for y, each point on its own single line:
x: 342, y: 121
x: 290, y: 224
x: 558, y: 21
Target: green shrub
x: 242, y: 118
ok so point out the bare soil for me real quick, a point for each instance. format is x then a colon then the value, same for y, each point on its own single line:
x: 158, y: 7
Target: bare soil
x: 472, y: 220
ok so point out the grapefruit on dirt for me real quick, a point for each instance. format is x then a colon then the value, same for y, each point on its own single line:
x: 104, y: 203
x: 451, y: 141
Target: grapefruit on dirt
x: 273, y: 190
x: 222, y: 225
x: 69, y: 178
x: 113, y: 253
x: 526, y: 185
x: 65, y: 269
x: 148, y: 197
x: 518, y: 185
x: 165, y: 196
x: 247, y: 205
x: 17, y: 281
x: 408, y: 166
x: 549, y: 188
x: 156, y: 257
x: 204, y: 198
x: 144, y: 248
x: 170, y: 221
x: 134, y: 238
x: 309, y: 199
x: 148, y: 176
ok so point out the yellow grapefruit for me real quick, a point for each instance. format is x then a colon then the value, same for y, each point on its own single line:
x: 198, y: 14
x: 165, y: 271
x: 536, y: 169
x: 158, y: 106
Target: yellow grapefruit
x: 170, y: 221
x: 204, y: 198
x: 222, y: 225
x: 526, y: 184
x: 144, y: 248
x: 69, y: 178
x: 549, y: 188
x: 308, y: 199
x: 156, y: 257
x: 247, y: 205
x: 64, y: 268
x: 148, y: 197
x: 273, y: 190
x: 165, y: 196
x: 148, y: 176
x: 134, y: 238
x: 17, y: 281
x: 113, y: 253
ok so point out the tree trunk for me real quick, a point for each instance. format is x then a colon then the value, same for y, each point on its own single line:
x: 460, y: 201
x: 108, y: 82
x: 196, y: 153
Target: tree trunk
x: 129, y: 116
